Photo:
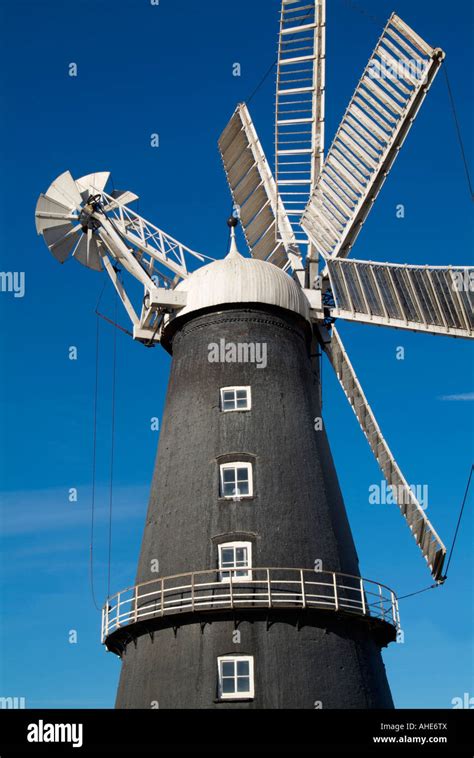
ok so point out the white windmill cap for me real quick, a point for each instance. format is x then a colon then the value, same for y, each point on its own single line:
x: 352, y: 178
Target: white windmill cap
x: 235, y: 280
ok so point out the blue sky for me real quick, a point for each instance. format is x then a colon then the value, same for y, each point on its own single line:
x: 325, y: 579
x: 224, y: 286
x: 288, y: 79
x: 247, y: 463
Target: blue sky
x: 167, y: 69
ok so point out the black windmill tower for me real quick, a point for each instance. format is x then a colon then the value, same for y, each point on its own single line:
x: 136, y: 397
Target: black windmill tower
x: 258, y: 600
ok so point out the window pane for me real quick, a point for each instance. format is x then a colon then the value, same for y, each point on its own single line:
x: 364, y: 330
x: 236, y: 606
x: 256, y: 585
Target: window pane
x: 243, y: 488
x: 236, y: 677
x: 229, y: 475
x: 242, y: 475
x: 243, y: 684
x: 241, y: 555
x: 228, y: 685
x: 242, y: 399
x: 228, y: 668
x: 229, y: 405
x: 243, y: 668
x: 229, y: 489
x: 228, y: 396
x: 227, y: 556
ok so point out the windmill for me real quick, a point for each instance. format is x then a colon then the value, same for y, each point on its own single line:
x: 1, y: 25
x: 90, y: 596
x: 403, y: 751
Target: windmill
x: 243, y: 507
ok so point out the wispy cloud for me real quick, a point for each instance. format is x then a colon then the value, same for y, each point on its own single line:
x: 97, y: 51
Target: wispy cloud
x: 30, y: 512
x: 464, y: 396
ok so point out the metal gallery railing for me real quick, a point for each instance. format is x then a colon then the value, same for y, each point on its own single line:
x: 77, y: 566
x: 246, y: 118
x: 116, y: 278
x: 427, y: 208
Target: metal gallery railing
x: 254, y: 588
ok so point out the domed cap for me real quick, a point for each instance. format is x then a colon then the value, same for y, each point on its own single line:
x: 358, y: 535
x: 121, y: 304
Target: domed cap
x: 235, y: 280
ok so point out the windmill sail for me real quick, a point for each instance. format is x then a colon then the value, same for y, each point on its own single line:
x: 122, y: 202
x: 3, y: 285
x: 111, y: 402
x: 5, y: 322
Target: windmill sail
x: 375, y: 125
x: 426, y: 537
x: 254, y: 191
x: 419, y: 298
x: 300, y: 106
x: 80, y: 219
x: 92, y: 184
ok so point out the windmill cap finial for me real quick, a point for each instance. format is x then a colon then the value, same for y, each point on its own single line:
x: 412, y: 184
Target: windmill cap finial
x: 233, y: 223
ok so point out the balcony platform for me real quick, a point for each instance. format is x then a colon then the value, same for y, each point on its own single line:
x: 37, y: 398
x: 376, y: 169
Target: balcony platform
x: 270, y: 593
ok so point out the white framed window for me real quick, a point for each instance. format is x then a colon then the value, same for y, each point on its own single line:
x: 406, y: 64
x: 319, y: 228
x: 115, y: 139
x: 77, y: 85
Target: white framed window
x: 235, y: 677
x: 236, y: 480
x: 235, y: 555
x: 236, y: 399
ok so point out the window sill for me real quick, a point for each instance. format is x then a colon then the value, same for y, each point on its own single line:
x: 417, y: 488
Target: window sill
x: 243, y: 498
x: 234, y: 700
x: 237, y: 410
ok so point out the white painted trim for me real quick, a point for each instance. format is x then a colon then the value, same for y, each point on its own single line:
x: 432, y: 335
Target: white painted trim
x: 235, y: 465
x: 234, y: 659
x: 223, y: 569
x: 235, y: 389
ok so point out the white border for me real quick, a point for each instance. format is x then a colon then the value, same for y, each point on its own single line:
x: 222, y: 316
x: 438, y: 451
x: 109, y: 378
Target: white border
x: 236, y: 695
